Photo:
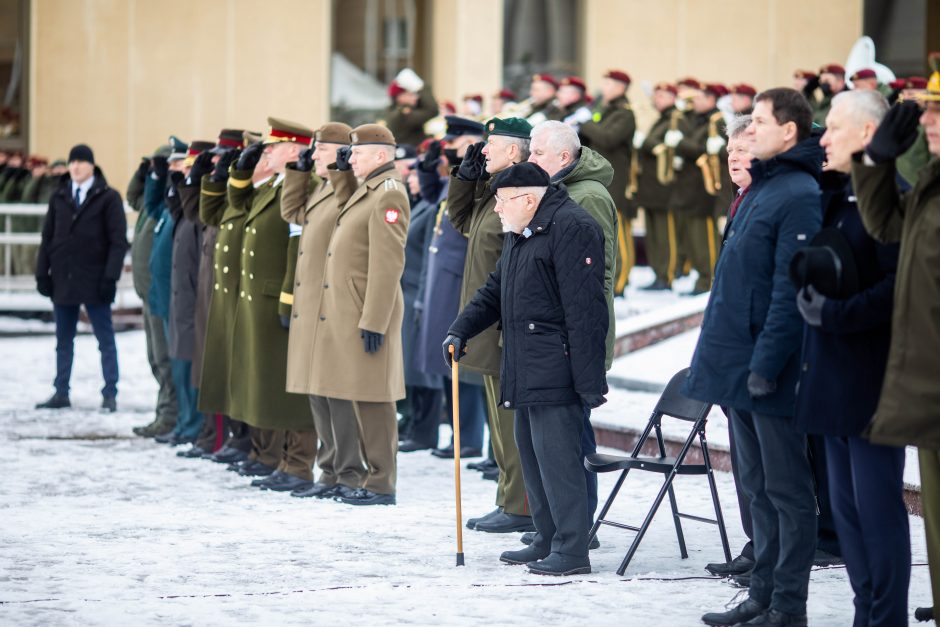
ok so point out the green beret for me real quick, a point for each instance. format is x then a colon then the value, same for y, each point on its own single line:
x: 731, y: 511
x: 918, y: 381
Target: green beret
x: 510, y: 127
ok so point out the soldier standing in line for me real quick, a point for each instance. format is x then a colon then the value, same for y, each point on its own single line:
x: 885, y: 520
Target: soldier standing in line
x: 655, y: 175
x: 610, y: 132
x: 412, y: 106
x: 541, y: 104
x: 357, y: 370
x: 697, y: 142
x: 470, y: 207
x: 283, y: 426
x: 340, y: 458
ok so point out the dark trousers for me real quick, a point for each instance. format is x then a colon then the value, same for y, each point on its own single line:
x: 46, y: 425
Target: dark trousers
x: 776, y: 478
x: 424, y: 410
x: 66, y: 325
x: 867, y: 486
x: 549, y: 441
x: 472, y: 412
x: 744, y: 505
x: 189, y: 421
x: 589, y: 447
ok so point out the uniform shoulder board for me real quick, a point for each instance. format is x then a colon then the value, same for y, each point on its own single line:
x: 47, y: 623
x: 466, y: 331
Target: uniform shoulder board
x: 627, y: 106
x: 391, y: 184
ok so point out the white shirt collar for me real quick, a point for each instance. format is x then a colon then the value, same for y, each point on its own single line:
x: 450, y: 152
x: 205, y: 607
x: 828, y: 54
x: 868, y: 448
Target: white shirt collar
x: 84, y: 187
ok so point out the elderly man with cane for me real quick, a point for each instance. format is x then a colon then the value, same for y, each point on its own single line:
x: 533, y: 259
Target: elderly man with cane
x: 548, y: 293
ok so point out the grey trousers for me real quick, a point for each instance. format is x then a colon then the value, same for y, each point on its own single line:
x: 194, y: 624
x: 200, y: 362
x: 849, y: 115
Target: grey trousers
x: 159, y: 358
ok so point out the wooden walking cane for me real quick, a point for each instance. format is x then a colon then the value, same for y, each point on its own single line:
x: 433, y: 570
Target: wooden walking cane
x: 455, y: 391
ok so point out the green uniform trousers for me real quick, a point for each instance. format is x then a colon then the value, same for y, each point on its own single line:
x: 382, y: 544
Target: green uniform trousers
x: 699, y: 240
x: 159, y: 358
x: 340, y: 458
x: 930, y: 502
x: 626, y: 253
x: 267, y: 446
x: 510, y: 493
x: 300, y: 453
x: 661, y: 243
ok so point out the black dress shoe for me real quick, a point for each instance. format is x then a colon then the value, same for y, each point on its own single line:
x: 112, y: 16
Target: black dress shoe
x: 255, y: 468
x: 190, y: 453
x: 923, y: 614
x: 361, y: 496
x: 656, y: 286
x: 558, y: 565
x: 472, y: 522
x: 109, y: 404
x: 483, y: 465
x: 506, y: 523
x: 529, y: 536
x: 738, y: 614
x: 288, y: 483
x: 491, y: 475
x: 317, y: 490
x: 410, y: 446
x: 741, y: 581
x: 273, y: 479
x: 228, y: 455
x: 737, y: 566
x: 523, y: 556
x: 775, y: 618
x: 341, y: 491
x: 55, y: 402
x: 444, y: 453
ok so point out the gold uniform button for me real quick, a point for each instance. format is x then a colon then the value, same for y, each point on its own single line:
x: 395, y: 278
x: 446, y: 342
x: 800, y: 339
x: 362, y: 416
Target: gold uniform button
x: 251, y: 252
x: 230, y: 227
x: 242, y: 294
x: 216, y: 245
x: 254, y: 231
x: 225, y: 289
x: 249, y: 298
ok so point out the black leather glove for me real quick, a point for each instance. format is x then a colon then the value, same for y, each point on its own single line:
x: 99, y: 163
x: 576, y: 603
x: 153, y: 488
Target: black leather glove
x: 176, y: 178
x: 432, y: 158
x: 460, y: 348
x: 142, y: 170
x: 896, y: 133
x: 305, y: 160
x: 160, y: 167
x: 758, y: 386
x: 44, y: 285
x: 285, y: 321
x: 372, y: 341
x: 220, y: 173
x: 107, y: 289
x: 471, y: 168
x: 201, y: 166
x: 250, y: 157
x: 342, y: 158
x: 593, y: 400
x: 810, y: 87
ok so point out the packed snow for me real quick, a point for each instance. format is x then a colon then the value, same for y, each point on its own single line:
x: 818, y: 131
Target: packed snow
x: 100, y: 527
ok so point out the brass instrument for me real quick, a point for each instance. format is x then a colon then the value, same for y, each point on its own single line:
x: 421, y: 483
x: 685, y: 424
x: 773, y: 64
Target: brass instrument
x: 665, y: 156
x: 711, y: 164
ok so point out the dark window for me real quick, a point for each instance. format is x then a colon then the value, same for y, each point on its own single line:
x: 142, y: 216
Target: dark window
x: 14, y: 70
x: 899, y: 30
x: 540, y: 36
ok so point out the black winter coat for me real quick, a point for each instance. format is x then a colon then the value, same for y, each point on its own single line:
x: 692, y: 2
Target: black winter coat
x: 844, y: 360
x: 548, y: 293
x: 82, y: 248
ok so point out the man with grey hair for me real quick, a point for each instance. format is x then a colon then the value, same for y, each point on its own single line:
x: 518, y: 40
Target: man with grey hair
x: 847, y: 335
x: 557, y: 150
x: 548, y: 294
x: 471, y: 204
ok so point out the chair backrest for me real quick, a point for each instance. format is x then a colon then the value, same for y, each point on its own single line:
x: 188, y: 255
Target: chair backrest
x: 674, y: 403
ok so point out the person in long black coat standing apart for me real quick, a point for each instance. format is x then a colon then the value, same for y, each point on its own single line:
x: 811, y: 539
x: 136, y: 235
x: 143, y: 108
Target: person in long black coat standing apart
x: 84, y: 239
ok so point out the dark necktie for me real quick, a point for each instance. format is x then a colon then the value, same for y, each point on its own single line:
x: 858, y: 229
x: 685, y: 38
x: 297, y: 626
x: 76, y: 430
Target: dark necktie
x: 78, y: 197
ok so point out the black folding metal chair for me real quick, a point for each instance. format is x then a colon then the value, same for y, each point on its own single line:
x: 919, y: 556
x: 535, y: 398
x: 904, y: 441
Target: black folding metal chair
x: 672, y: 403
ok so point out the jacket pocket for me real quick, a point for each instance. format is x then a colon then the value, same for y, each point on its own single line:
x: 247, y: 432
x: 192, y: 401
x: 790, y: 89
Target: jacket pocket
x: 354, y: 293
x: 545, y: 359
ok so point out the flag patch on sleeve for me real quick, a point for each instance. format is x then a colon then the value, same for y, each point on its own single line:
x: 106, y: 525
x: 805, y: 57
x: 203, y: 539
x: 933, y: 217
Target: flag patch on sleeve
x: 391, y: 215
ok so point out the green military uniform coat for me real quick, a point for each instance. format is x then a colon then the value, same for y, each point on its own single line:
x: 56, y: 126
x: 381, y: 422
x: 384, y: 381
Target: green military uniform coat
x: 611, y: 134
x: 407, y: 123
x: 259, y: 341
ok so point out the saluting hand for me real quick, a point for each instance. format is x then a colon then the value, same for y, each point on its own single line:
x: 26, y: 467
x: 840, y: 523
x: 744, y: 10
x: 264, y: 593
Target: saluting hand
x: 250, y: 157
x: 432, y: 158
x: 471, y: 168
x: 305, y: 160
x: 896, y: 133
x: 220, y: 173
x: 202, y: 165
x: 343, y: 154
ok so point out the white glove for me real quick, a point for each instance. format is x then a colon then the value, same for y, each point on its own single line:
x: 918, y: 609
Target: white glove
x: 713, y: 145
x: 677, y: 163
x: 579, y: 117
x: 409, y: 80
x: 638, y: 138
x: 672, y: 138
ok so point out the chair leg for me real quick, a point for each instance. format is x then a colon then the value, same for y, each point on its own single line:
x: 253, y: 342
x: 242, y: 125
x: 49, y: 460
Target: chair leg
x: 680, y: 536
x: 646, y: 522
x: 719, y: 518
x: 607, y: 504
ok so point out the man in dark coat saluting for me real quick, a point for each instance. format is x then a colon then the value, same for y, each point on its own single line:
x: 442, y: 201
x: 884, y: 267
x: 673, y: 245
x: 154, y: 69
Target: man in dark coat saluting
x: 548, y: 293
x: 84, y: 239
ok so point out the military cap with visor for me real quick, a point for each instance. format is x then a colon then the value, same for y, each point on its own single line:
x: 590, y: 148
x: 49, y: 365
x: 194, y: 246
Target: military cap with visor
x: 287, y: 131
x: 458, y: 126
x: 229, y: 139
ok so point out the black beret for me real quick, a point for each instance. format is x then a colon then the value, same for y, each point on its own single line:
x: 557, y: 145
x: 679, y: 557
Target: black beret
x: 523, y: 174
x: 828, y: 264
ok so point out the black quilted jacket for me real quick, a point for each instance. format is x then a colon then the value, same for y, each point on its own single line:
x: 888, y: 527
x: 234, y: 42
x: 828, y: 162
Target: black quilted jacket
x: 548, y: 293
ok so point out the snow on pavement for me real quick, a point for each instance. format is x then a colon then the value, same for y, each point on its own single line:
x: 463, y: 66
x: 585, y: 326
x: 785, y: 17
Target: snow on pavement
x: 102, y: 528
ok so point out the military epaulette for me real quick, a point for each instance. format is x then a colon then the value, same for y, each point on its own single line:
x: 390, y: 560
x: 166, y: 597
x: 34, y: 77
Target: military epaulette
x: 627, y: 106
x: 390, y: 184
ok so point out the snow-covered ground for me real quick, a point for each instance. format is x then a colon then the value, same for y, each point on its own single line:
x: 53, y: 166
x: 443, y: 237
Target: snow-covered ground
x: 98, y: 527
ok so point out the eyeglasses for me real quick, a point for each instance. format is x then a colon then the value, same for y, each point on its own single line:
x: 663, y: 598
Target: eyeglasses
x: 503, y: 201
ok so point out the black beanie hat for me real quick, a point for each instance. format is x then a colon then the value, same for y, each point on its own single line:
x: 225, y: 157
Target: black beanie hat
x: 523, y: 174
x: 81, y: 152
